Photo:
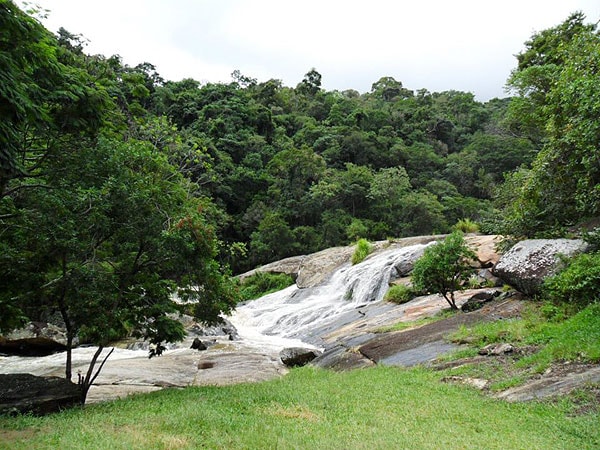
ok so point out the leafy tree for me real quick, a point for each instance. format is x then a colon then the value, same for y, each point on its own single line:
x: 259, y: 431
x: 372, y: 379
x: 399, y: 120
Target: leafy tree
x: 109, y: 245
x: 272, y: 240
x: 42, y: 101
x: 444, y: 267
x: 562, y: 186
x: 311, y: 83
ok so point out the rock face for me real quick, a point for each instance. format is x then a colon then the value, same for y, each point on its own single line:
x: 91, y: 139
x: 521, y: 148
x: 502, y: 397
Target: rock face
x: 484, y: 247
x: 528, y: 263
x: 297, y: 356
x: 26, y: 393
x: 289, y: 266
x: 316, y: 267
x: 36, y: 346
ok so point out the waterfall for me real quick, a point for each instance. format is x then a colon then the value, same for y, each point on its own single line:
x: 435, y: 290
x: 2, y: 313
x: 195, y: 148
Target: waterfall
x: 292, y: 312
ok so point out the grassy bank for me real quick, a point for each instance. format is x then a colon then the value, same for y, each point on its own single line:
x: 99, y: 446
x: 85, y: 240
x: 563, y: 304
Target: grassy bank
x: 312, y: 409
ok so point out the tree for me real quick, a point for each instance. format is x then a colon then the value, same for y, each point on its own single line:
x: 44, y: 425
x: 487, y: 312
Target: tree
x: 562, y: 187
x: 444, y: 267
x: 42, y: 100
x: 108, y: 245
x: 311, y: 83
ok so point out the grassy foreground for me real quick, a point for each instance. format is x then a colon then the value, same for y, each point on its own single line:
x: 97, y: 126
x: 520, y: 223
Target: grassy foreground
x: 381, y: 408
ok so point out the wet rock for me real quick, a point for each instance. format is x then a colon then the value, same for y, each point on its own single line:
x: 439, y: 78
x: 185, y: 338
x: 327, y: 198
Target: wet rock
x: 197, y: 344
x: 223, y: 329
x: 25, y: 393
x: 496, y: 349
x: 297, y: 356
x: 404, y: 346
x: 528, y: 263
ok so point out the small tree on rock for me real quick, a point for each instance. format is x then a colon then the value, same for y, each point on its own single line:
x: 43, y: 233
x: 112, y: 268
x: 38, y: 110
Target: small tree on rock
x: 444, y: 267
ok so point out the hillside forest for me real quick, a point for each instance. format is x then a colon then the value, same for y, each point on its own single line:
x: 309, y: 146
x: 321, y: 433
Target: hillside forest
x: 118, y: 187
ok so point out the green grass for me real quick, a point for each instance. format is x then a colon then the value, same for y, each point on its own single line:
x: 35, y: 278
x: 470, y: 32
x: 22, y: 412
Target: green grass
x: 312, y: 409
x: 466, y: 226
x: 399, y: 294
x: 362, y: 250
x: 263, y: 283
x: 575, y: 339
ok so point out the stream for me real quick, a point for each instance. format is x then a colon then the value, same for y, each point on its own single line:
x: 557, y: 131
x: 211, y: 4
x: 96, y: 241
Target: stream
x: 292, y: 317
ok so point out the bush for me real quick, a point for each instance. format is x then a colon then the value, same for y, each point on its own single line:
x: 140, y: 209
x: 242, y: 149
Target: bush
x: 263, y: 283
x: 578, y: 283
x: 466, y: 226
x: 400, y: 293
x: 363, y: 248
x: 444, y: 267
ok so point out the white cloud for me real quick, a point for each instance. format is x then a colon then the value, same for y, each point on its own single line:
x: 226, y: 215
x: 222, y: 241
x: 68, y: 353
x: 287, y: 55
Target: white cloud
x: 434, y: 44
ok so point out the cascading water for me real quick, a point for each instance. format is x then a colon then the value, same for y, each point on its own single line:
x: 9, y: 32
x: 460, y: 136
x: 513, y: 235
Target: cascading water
x: 293, y: 313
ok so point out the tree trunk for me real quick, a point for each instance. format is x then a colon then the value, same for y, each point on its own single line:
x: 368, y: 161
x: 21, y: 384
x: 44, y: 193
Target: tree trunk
x: 451, y: 300
x: 68, y: 364
x: 87, y: 381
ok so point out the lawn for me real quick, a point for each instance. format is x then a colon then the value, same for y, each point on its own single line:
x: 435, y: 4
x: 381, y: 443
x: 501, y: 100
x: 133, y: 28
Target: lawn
x: 376, y: 408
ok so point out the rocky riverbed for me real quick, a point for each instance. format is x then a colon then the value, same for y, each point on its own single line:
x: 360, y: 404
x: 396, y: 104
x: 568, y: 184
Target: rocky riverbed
x: 338, y: 310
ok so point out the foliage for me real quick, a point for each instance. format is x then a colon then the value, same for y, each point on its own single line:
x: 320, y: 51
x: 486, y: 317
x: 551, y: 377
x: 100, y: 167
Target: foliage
x: 314, y: 409
x: 444, y: 267
x: 263, y: 283
x: 557, y: 81
x: 466, y: 226
x: 578, y: 283
x: 362, y: 250
x: 561, y: 336
x: 575, y: 339
x: 98, y: 228
x: 399, y: 293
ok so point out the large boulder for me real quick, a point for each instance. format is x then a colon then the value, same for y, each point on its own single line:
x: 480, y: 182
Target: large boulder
x: 37, y: 346
x: 297, y: 356
x: 528, y: 263
x: 25, y: 393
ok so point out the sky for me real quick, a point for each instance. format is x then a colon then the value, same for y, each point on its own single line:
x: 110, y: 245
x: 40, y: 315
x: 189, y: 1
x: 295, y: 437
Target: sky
x: 465, y: 45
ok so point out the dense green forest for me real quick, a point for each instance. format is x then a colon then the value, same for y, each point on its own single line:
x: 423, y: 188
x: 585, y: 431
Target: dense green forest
x: 115, y: 180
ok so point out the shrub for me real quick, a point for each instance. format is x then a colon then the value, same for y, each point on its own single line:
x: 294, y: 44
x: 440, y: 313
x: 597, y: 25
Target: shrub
x: 363, y: 248
x: 400, y: 293
x: 466, y: 226
x: 263, y: 283
x: 444, y: 267
x: 578, y: 283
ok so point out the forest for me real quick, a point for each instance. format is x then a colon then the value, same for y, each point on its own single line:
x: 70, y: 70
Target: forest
x: 118, y: 187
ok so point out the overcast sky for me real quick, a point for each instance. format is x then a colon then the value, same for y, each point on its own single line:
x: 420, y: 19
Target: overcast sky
x: 466, y: 45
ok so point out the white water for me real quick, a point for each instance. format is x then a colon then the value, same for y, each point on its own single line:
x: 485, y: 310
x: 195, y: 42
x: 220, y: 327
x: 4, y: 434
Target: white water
x: 55, y: 364
x: 293, y: 312
x: 272, y: 322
